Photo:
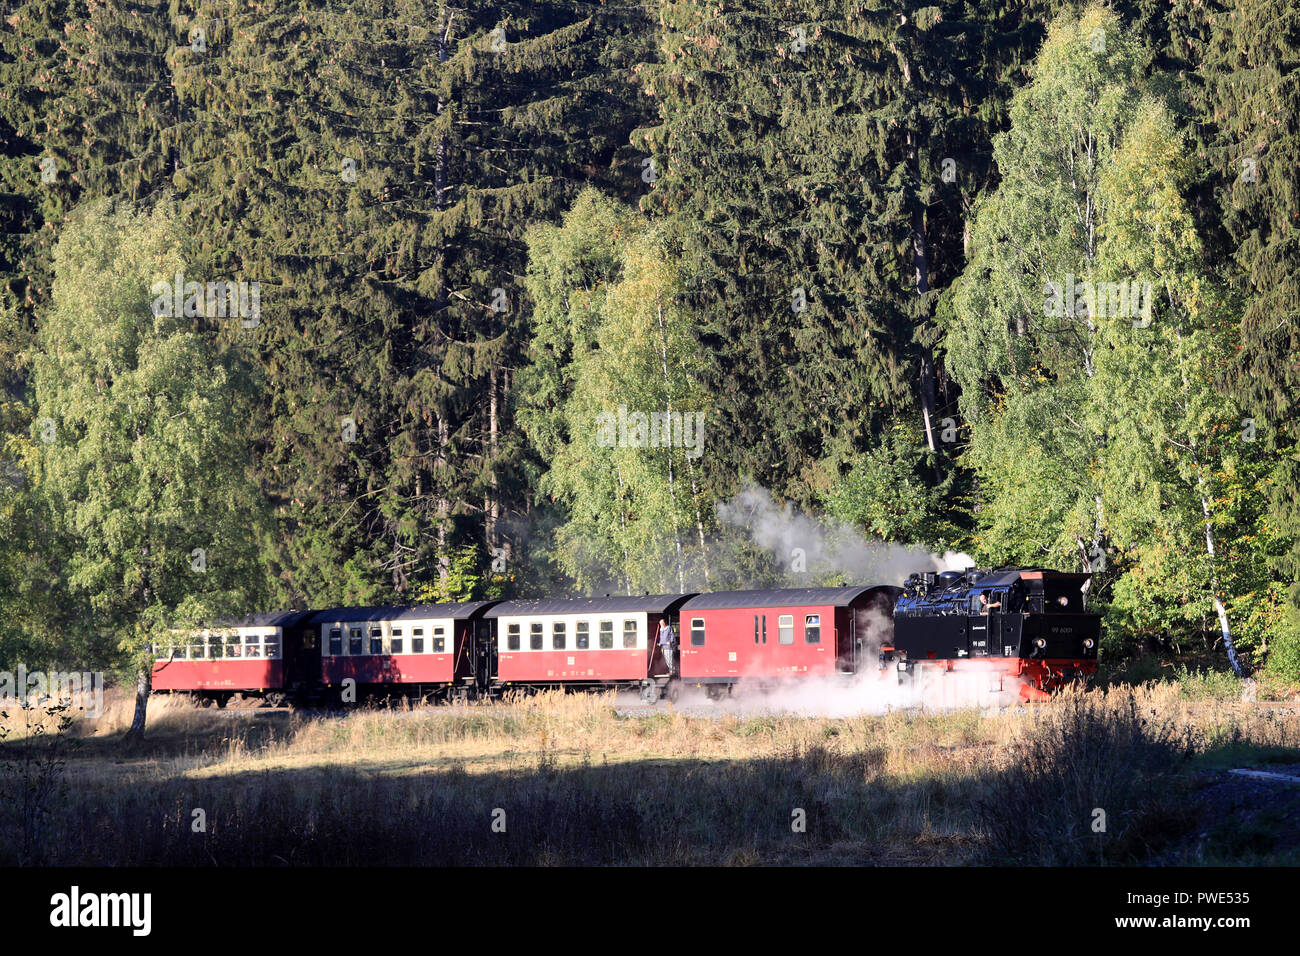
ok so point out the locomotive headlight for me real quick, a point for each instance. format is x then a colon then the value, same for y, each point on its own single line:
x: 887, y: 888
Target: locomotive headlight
x: 1087, y: 644
x: 1041, y: 642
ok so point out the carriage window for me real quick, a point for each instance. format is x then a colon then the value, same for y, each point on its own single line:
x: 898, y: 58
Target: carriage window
x: 354, y: 640
x: 196, y: 652
x: 535, y: 636
x: 376, y: 640
x: 512, y: 637
x: 417, y: 640
x: 557, y: 636
x: 629, y: 633
x: 697, y: 632
x: 233, y: 647
x: 216, y: 647
x: 785, y: 629
x: 583, y: 633
x: 439, y: 640
x: 252, y: 645
x: 606, y: 635
x: 272, y: 644
x: 395, y: 641
x: 336, y: 641
x: 755, y: 628
x: 812, y: 629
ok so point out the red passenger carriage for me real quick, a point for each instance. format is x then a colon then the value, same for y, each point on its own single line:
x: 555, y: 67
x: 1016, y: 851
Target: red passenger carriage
x: 263, y: 655
x: 765, y: 637
x: 424, y: 650
x: 608, y: 641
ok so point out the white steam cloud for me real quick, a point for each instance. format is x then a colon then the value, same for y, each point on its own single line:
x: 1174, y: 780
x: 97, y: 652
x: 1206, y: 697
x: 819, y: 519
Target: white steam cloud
x: 812, y: 550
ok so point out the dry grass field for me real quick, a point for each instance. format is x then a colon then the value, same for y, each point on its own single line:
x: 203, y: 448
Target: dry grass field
x: 570, y: 779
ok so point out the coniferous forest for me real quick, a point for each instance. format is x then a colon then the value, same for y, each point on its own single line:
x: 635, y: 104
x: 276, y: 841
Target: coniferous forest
x: 324, y: 302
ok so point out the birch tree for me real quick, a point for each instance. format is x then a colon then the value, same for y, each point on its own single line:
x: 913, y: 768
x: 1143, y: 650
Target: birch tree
x: 143, y: 457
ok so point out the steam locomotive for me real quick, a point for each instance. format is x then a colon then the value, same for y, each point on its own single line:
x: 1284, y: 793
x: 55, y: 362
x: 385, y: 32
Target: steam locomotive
x: 1026, y: 625
x: 1025, y: 629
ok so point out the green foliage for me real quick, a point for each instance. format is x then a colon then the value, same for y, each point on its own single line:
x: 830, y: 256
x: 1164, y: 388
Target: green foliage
x: 149, y: 470
x: 1098, y: 433
x: 613, y: 343
x: 889, y: 493
x: 484, y: 288
x: 1284, y: 651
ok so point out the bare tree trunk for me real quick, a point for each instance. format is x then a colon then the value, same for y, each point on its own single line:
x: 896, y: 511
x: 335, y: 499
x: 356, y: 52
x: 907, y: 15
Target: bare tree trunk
x: 1215, y: 595
x: 921, y: 266
x: 699, y: 520
x: 143, y: 688
x: 672, y: 486
x: 622, y: 523
x: 444, y: 506
x: 144, y: 676
x: 492, y: 511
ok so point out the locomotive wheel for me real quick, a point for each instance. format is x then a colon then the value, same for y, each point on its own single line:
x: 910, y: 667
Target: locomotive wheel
x: 715, y: 691
x: 650, y: 692
x: 275, y: 699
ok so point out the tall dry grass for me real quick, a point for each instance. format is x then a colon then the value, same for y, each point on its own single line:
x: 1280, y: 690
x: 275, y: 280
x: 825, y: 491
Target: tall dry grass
x: 580, y: 783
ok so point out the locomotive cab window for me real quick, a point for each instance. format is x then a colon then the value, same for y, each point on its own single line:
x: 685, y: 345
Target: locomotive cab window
x: 606, y: 635
x: 396, y: 641
x: 535, y: 636
x: 582, y: 633
x: 697, y: 632
x: 336, y: 642
x: 629, y: 634
x: 812, y: 629
x: 785, y: 629
x: 557, y: 636
x: 439, y: 640
x: 417, y: 640
x: 512, y: 637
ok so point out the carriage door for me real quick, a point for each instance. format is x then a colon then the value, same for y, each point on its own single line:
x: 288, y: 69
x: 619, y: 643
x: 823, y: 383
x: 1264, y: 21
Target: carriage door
x: 300, y: 648
x: 979, y: 619
x: 485, y: 653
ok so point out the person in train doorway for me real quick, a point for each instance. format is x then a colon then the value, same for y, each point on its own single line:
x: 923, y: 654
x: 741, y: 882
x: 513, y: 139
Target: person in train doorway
x: 667, y: 642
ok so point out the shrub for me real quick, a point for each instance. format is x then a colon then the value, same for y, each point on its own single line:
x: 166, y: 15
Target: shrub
x: 1086, y: 783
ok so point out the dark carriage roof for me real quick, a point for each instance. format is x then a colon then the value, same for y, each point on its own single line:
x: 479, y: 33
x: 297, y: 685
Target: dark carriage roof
x: 401, y: 612
x: 266, y: 619
x: 648, y: 603
x: 780, y: 597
